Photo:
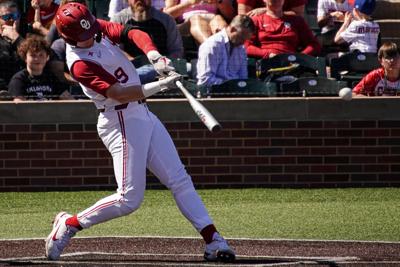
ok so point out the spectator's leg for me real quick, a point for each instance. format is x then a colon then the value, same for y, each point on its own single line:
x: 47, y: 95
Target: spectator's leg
x: 199, y: 28
x: 217, y: 23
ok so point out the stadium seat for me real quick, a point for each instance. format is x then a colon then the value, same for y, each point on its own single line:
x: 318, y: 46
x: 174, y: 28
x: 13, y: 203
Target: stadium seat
x: 180, y: 65
x: 311, y: 87
x: 352, y: 67
x: 242, y: 88
x: 310, y: 15
x: 308, y: 65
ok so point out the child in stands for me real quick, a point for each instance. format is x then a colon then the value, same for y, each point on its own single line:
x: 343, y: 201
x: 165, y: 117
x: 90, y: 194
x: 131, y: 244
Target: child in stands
x: 384, y: 81
x: 36, y: 82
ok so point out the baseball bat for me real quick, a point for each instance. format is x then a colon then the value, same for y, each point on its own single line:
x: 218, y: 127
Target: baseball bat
x: 204, y: 115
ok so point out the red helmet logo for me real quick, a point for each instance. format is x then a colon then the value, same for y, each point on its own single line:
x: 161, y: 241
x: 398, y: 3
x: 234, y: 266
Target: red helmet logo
x: 75, y: 23
x: 85, y: 24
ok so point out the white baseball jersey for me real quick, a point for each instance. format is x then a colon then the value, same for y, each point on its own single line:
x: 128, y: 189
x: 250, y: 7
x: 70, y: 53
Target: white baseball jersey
x: 362, y: 35
x: 108, y: 55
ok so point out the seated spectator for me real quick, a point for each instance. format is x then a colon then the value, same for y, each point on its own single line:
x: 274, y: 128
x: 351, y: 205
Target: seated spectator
x: 222, y: 56
x: 278, y: 33
x: 204, y: 17
x: 330, y: 14
x: 358, y: 28
x: 10, y: 38
x: 384, y: 81
x: 35, y: 82
x: 257, y: 7
x: 159, y: 26
x: 41, y: 14
x: 116, y: 6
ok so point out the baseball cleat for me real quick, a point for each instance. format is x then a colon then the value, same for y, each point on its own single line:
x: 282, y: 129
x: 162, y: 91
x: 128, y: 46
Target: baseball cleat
x: 59, y: 236
x: 219, y: 250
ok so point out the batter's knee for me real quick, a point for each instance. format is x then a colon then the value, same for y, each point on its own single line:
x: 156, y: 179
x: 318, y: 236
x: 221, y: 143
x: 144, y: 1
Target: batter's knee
x: 130, y: 202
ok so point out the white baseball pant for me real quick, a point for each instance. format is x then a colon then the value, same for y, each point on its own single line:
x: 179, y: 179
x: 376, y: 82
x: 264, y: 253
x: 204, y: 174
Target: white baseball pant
x: 137, y: 139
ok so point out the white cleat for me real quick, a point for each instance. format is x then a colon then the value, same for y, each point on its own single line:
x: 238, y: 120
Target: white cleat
x: 219, y: 250
x: 59, y: 236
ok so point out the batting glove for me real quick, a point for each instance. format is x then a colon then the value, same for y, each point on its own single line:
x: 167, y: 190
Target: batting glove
x: 161, y: 64
x: 169, y: 82
x: 166, y: 83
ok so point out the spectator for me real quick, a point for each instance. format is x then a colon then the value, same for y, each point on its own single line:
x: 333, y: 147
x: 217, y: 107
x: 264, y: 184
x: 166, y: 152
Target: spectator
x: 116, y: 6
x: 330, y: 14
x: 36, y: 82
x: 10, y: 38
x: 358, y: 28
x: 257, y: 7
x: 223, y: 57
x: 41, y: 14
x: 278, y: 33
x: 204, y: 17
x: 330, y: 17
x: 161, y: 27
x: 384, y: 81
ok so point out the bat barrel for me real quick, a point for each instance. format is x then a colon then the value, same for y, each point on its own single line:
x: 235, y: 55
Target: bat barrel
x: 204, y: 115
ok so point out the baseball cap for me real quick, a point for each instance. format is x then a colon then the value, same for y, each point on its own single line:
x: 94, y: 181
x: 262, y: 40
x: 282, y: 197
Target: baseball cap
x: 365, y: 6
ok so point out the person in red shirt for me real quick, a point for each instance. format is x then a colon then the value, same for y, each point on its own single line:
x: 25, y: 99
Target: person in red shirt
x: 384, y: 81
x: 256, y: 7
x: 41, y: 14
x: 278, y: 33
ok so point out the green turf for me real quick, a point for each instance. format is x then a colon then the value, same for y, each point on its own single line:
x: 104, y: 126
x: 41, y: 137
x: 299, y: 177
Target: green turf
x: 350, y: 214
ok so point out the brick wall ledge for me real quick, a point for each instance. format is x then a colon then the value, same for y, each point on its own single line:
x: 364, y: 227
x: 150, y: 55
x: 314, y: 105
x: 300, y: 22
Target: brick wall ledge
x: 224, y: 109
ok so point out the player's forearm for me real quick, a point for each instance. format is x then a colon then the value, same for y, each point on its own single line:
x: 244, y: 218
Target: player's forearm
x: 138, y: 92
x: 125, y: 94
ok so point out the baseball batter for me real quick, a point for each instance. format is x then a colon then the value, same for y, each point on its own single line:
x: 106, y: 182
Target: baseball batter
x: 134, y: 136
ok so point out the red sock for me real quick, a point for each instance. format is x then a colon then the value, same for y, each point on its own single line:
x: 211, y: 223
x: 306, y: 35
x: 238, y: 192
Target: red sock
x: 73, y: 221
x: 208, y: 232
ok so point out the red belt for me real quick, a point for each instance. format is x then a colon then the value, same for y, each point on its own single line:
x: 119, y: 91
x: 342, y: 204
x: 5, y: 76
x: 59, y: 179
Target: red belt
x: 123, y: 106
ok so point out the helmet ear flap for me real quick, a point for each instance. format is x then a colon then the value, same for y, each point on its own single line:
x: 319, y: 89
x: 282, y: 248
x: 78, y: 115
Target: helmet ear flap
x: 68, y: 40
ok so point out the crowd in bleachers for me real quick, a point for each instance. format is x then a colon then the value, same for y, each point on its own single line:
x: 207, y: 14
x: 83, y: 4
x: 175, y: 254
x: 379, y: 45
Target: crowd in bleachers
x: 267, y: 44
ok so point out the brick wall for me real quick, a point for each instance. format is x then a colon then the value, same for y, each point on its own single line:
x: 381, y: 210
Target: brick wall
x: 281, y: 152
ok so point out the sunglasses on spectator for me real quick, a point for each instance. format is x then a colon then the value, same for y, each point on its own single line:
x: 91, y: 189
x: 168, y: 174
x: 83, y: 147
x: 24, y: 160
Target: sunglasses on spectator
x: 10, y: 16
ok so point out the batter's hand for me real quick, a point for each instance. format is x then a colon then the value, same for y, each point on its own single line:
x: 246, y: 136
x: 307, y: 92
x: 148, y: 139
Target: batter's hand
x: 169, y: 82
x: 162, y: 64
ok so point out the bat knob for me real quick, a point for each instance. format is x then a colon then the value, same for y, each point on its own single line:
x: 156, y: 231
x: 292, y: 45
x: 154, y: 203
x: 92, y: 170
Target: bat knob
x: 216, y: 129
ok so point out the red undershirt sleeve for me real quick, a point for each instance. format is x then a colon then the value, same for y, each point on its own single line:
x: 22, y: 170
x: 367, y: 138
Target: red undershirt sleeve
x: 142, y: 40
x: 114, y: 30
x: 92, y: 76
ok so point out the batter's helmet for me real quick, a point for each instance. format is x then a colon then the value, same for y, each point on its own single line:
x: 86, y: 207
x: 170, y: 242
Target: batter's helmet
x: 75, y: 23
